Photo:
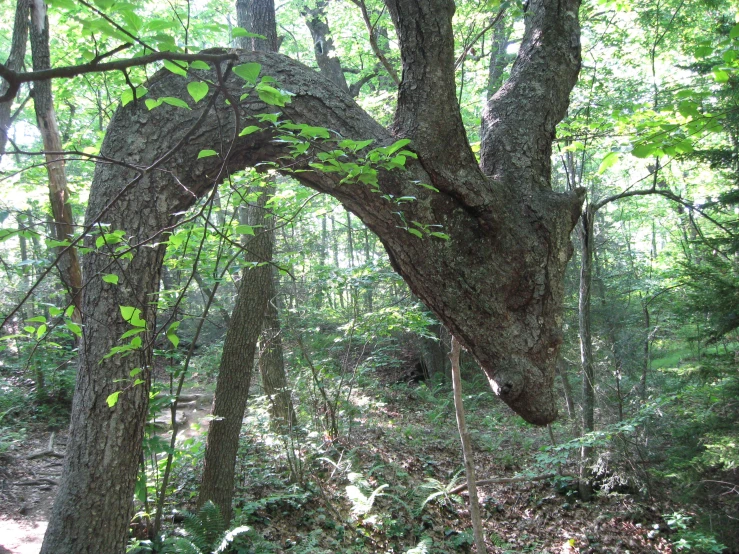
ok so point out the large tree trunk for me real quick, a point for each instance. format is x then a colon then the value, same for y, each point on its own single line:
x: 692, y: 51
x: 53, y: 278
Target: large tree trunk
x: 69, y: 265
x: 497, y: 283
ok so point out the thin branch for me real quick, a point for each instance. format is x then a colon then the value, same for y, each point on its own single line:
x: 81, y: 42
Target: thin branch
x: 479, y: 35
x: 15, y: 79
x: 373, y: 42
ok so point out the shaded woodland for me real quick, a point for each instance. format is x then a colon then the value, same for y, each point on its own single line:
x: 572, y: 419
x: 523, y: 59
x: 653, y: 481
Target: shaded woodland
x: 247, y: 251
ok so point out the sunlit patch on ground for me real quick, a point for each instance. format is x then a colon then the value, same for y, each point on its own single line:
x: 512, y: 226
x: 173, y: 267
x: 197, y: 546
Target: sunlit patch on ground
x: 21, y: 537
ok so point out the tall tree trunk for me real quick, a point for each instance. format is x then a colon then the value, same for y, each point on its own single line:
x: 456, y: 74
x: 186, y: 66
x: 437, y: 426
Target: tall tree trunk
x: 272, y: 367
x: 234, y: 374
x: 499, y: 60
x: 239, y: 348
x: 496, y: 283
x: 586, y: 345
x: 14, y: 63
x: 69, y: 265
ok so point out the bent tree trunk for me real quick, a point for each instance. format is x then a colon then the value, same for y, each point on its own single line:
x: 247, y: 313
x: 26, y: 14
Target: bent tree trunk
x: 496, y: 283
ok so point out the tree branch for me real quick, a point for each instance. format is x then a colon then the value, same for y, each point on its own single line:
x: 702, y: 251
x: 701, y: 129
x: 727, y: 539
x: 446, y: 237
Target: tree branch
x: 521, y: 117
x: 373, y: 42
x: 15, y: 79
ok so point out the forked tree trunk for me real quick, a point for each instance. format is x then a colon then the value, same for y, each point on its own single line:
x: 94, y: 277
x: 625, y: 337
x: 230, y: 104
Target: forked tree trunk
x: 496, y: 283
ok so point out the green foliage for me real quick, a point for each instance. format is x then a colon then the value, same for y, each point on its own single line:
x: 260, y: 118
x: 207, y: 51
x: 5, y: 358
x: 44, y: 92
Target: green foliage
x: 204, y: 532
x: 688, y: 540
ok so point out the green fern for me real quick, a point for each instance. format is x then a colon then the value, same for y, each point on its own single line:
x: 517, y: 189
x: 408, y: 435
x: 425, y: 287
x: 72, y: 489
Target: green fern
x: 203, y: 533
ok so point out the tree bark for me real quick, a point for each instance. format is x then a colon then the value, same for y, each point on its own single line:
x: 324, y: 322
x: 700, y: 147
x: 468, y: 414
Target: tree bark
x: 234, y: 374
x: 69, y: 265
x: 272, y: 367
x: 586, y: 345
x: 323, y: 45
x: 15, y: 63
x: 497, y: 283
x: 245, y: 326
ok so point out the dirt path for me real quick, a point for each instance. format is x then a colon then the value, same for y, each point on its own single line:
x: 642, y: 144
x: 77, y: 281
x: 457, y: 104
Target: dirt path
x: 29, y: 475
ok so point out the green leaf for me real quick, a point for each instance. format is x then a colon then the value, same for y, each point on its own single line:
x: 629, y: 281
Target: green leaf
x: 197, y: 90
x: 152, y: 103
x: 249, y: 130
x: 72, y: 326
x: 111, y: 278
x: 248, y: 71
x: 112, y: 399
x: 135, y: 371
x: 40, y: 331
x: 688, y: 108
x: 29, y: 329
x: 132, y: 332
x: 199, y: 64
x: 238, y: 32
x: 207, y: 153
x: 173, y: 338
x: 178, y: 68
x: 643, y: 150
x: 244, y: 230
x: 734, y: 33
x: 430, y: 187
x: 37, y: 319
x: 438, y: 235
x: 720, y: 75
x: 397, y: 146
x: 272, y: 96
x: 177, y: 102
x: 415, y: 232
x: 128, y: 95
x: 132, y: 316
x: 609, y: 160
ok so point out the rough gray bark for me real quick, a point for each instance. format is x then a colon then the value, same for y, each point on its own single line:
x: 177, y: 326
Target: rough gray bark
x: 14, y: 62
x: 497, y: 283
x: 499, y: 60
x: 257, y: 17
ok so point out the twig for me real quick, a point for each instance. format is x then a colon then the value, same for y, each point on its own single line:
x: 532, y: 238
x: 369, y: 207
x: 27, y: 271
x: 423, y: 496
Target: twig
x: 48, y: 452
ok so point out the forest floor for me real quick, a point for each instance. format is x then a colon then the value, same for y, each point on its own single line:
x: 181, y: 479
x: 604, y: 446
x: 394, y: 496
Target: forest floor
x: 365, y: 490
